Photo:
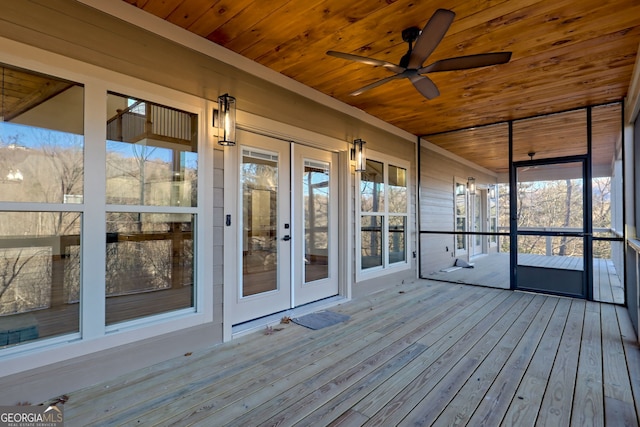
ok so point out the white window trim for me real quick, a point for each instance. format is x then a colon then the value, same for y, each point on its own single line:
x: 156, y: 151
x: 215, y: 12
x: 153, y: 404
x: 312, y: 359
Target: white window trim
x: 490, y: 243
x: 460, y: 252
x: 386, y: 268
x: 94, y: 334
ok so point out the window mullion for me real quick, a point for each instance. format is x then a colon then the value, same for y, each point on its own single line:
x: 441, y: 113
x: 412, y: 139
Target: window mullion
x: 92, y: 294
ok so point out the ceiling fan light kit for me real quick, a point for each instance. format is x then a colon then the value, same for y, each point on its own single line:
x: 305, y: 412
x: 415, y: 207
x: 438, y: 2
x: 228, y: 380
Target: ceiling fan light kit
x: 411, y: 64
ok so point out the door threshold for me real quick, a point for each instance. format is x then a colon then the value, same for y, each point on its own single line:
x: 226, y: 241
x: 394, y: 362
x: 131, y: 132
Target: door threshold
x: 274, y: 319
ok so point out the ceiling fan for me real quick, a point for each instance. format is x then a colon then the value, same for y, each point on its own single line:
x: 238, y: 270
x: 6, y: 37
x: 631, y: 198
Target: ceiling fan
x: 410, y: 66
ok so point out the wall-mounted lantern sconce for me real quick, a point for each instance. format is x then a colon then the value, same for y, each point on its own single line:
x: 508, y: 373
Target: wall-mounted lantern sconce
x: 226, y: 120
x: 492, y: 191
x: 358, y: 155
x: 471, y: 185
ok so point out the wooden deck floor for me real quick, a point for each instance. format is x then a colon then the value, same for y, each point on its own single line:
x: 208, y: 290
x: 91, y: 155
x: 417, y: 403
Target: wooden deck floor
x: 422, y: 353
x: 493, y: 271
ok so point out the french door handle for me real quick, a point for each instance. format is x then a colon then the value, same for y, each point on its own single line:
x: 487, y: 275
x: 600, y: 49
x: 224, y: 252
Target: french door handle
x: 286, y: 238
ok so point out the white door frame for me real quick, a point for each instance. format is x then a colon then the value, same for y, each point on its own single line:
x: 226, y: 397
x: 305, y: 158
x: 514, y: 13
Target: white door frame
x: 250, y: 123
x: 303, y: 291
x: 244, y: 308
x: 478, y: 206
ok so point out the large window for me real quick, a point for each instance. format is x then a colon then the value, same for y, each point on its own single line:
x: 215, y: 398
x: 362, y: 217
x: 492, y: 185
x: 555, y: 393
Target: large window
x: 383, y: 212
x: 151, y: 192
x: 41, y: 205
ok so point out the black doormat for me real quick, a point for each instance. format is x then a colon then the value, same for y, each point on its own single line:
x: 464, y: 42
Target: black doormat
x: 321, y: 319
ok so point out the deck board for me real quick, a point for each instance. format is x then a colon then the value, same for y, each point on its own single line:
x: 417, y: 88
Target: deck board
x: 499, y: 395
x: 527, y: 400
x: 618, y: 396
x: 425, y: 352
x: 557, y: 403
x: 588, y: 399
x: 493, y: 271
x: 456, y: 397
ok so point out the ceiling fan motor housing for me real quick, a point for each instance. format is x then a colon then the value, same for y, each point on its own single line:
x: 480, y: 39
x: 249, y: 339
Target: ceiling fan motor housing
x: 410, y: 34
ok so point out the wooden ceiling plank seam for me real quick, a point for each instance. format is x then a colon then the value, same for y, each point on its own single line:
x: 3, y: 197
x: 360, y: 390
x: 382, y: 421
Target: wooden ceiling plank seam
x: 320, y: 30
x: 301, y: 33
x: 161, y: 8
x: 220, y: 12
x: 561, y: 28
x: 244, y: 29
x: 189, y: 12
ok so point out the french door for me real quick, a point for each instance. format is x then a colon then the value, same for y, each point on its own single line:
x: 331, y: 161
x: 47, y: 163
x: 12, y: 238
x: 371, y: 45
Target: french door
x: 315, y: 256
x: 286, y: 227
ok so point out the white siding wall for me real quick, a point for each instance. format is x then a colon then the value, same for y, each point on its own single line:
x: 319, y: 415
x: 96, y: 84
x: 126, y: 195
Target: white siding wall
x: 437, y: 177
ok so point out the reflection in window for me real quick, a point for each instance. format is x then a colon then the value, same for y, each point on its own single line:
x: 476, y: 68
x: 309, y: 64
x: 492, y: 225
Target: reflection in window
x: 371, y: 241
x: 259, y: 181
x: 150, y: 267
x: 372, y: 187
x: 493, y: 215
x: 397, y: 189
x: 461, y: 217
x: 152, y: 155
x: 39, y: 275
x: 41, y: 138
x: 397, y: 232
x: 315, y: 187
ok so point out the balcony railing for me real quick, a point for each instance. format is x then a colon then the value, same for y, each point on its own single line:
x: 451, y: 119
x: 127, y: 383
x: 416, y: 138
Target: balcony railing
x: 148, y: 120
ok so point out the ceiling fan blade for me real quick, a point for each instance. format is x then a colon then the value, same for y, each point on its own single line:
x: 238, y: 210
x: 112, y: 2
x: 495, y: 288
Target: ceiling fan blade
x: 376, y: 84
x: 430, y: 37
x: 425, y: 86
x: 466, y: 62
x: 369, y: 61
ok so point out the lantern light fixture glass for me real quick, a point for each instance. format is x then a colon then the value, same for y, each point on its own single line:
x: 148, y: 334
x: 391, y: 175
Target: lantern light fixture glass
x: 358, y: 155
x: 471, y: 185
x: 226, y: 120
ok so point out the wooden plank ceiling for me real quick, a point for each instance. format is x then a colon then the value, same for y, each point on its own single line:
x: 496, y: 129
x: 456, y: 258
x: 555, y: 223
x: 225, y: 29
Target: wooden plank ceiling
x: 21, y: 90
x: 566, y: 54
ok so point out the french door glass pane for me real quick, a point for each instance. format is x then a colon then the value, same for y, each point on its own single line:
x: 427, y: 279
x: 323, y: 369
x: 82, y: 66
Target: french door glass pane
x: 259, y: 183
x: 316, y: 200
x: 371, y: 243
